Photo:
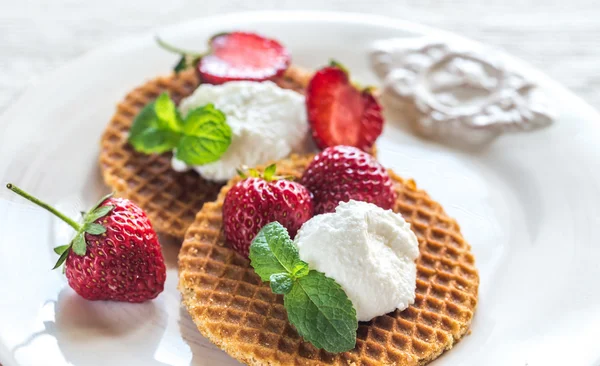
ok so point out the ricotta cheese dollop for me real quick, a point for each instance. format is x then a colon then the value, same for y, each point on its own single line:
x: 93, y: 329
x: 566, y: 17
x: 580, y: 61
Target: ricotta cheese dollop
x: 267, y: 123
x: 369, y: 251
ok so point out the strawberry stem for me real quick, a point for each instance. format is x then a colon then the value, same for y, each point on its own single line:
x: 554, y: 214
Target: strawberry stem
x: 177, y: 50
x: 44, y: 205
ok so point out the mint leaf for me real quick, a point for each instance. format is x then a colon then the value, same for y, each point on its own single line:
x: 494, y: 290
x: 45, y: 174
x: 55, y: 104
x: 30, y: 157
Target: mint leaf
x: 201, y: 139
x: 98, y: 213
x: 79, y: 244
x: 154, y: 140
x: 149, y: 134
x: 61, y: 249
x: 206, y: 136
x: 206, y: 120
x: 281, y: 283
x: 167, y: 113
x: 322, y: 313
x: 273, y: 252
x: 300, y: 269
x: 94, y: 229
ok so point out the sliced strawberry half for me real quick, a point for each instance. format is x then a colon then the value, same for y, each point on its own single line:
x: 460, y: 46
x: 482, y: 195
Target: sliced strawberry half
x: 242, y: 56
x: 341, y: 114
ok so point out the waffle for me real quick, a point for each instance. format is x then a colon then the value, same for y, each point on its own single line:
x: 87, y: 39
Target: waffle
x: 170, y: 199
x: 239, y: 313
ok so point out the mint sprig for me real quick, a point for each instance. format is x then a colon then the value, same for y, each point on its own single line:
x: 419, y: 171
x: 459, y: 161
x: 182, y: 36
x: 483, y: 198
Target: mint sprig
x: 201, y: 138
x: 316, y: 305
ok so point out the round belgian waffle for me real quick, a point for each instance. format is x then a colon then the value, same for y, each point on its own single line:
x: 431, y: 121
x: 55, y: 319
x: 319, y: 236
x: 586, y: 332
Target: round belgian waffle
x: 170, y: 199
x: 239, y: 313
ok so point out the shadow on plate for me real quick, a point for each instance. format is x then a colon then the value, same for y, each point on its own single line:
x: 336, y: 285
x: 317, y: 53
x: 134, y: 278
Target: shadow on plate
x: 170, y: 249
x: 203, y: 351
x: 81, y: 329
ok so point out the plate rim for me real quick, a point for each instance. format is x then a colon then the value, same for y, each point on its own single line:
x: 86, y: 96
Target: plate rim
x: 297, y: 15
x: 346, y: 17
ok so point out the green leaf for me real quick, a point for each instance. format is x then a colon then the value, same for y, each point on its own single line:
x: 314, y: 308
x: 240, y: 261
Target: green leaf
x: 61, y: 249
x: 186, y: 60
x: 149, y: 134
x: 201, y: 139
x: 94, y: 229
x: 269, y: 172
x: 181, y: 64
x: 167, y: 113
x: 61, y: 259
x: 253, y: 173
x: 316, y: 305
x: 322, y: 313
x: 154, y: 140
x: 281, y: 283
x: 241, y: 173
x: 79, y: 244
x: 300, y: 269
x: 273, y: 252
x: 206, y: 136
x: 339, y: 65
x: 98, y: 213
x: 202, y: 121
x: 145, y: 118
x: 100, y: 201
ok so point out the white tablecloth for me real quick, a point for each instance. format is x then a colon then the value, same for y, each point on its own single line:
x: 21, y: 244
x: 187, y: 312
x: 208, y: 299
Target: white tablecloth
x: 561, y: 37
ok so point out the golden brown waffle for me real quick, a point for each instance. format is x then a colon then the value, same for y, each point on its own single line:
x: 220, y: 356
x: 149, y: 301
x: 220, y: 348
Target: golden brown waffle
x: 170, y: 199
x: 239, y: 313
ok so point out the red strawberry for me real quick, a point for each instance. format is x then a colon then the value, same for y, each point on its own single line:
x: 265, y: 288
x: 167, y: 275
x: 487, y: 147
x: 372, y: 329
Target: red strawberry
x: 339, y: 113
x: 115, y: 254
x: 343, y: 173
x: 236, y: 56
x: 256, y: 201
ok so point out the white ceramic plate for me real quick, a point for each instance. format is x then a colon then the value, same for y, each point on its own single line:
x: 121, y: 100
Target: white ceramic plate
x: 529, y: 205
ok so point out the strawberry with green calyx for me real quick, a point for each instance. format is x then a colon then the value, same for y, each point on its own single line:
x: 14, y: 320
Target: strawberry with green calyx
x: 259, y: 199
x: 235, y: 56
x: 115, y: 254
x: 341, y: 113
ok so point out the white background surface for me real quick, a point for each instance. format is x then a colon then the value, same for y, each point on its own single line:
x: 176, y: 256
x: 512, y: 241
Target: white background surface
x: 507, y: 210
x: 560, y: 37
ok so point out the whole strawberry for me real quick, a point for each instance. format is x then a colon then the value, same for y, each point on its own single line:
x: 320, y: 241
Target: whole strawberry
x: 339, y: 113
x: 256, y: 201
x: 341, y: 173
x: 115, y: 254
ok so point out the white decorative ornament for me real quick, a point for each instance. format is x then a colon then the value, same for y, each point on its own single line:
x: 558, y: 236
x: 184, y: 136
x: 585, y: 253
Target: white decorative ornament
x: 454, y: 90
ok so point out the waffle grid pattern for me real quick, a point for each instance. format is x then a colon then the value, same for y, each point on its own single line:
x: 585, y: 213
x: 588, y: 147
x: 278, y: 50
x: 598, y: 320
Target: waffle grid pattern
x: 240, y: 314
x: 171, y: 199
